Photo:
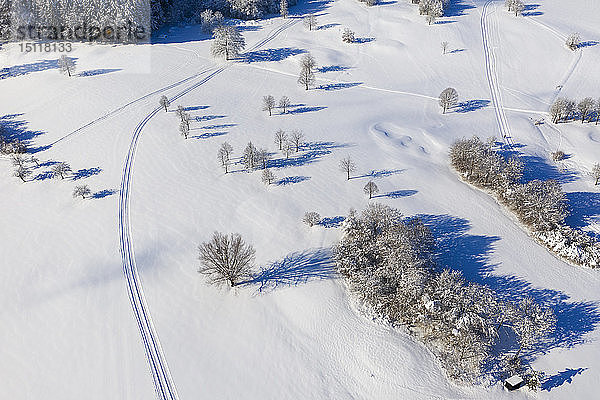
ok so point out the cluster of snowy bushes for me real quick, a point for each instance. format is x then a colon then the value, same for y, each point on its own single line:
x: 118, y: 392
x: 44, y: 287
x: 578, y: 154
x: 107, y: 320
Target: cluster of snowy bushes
x: 432, y: 9
x: 564, y: 109
x: 540, y: 205
x: 10, y: 145
x: 389, y: 263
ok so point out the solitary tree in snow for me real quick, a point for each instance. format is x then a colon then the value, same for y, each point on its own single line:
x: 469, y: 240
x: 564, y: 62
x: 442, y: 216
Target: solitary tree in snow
x: 164, y: 102
x: 296, y: 139
x: 284, y: 103
x: 371, y: 189
x: 66, y: 64
x: 82, y: 190
x: 283, y: 8
x: 518, y: 7
x: 573, y: 41
x: 268, y: 104
x: 310, y: 21
x: 61, y: 170
x: 448, y: 98
x: 226, y: 258
x: 227, y: 42
x: 585, y: 106
x: 21, y: 172
x: 184, y: 129
x: 445, y: 47
x: 596, y: 173
x: 347, y: 36
x: 311, y: 218
x: 348, y: 166
x: 224, y: 154
x: 267, y: 176
x: 280, y: 138
x: 307, y: 75
x: 262, y: 157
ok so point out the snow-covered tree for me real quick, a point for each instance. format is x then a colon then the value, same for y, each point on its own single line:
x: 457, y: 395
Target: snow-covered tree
x: 310, y: 21
x: 226, y: 258
x: 518, y: 7
x: 573, y: 41
x: 347, y: 36
x: 250, y: 157
x: 445, y: 47
x: 283, y: 8
x: 267, y: 176
x: 348, y: 166
x: 224, y: 155
x: 596, y: 173
x: 307, y: 75
x: 184, y: 130
x: 540, y: 204
x: 585, y: 106
x: 532, y: 324
x: 22, y: 173
x: 164, y: 102
x: 311, y: 218
x: 61, y: 170
x: 268, y: 104
x: 370, y: 3
x: 210, y: 19
x: 66, y: 65
x: 280, y: 138
x: 81, y: 190
x: 448, y: 98
x: 227, y: 42
x: 371, y: 189
x: 296, y: 139
x: 284, y: 104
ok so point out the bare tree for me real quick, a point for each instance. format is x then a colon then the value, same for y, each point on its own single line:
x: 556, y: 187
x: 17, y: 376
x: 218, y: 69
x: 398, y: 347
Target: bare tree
x: 280, y: 138
x: 61, y: 170
x: 348, y: 36
x: 17, y: 160
x: 268, y: 104
x: 250, y: 157
x: 35, y: 160
x: 533, y: 323
x: 228, y: 42
x: 573, y: 41
x: 82, y: 190
x: 263, y: 156
x: 226, y: 258
x: 180, y: 111
x: 224, y: 154
x: 448, y: 98
x: 164, y: 102
x: 348, y: 166
x: 371, y: 189
x: 310, y: 22
x: 585, y: 106
x: 267, y: 176
x: 558, y: 155
x: 296, y: 139
x: 288, y: 149
x: 184, y: 129
x: 518, y: 7
x: 66, y: 64
x: 284, y: 103
x: 596, y: 173
x: 445, y: 47
x: 307, y: 75
x: 283, y: 8
x: 311, y: 218
x: 22, y: 173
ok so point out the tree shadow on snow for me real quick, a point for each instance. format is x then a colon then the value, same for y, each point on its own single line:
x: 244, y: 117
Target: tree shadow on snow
x: 270, y: 55
x: 104, y: 193
x: 561, y: 378
x: 295, y: 269
x: 288, y: 180
x: 397, y: 194
x: 338, y: 86
x: 528, y: 11
x: 383, y: 173
x: 537, y: 167
x: 332, y: 222
x: 584, y: 209
x: 470, y: 254
x: 457, y: 8
x: 332, y: 68
x: 94, y: 72
x: 25, y: 69
x: 471, y: 105
x: 13, y: 129
x: 86, y: 173
x: 208, y: 135
x: 310, y: 153
x: 302, y: 110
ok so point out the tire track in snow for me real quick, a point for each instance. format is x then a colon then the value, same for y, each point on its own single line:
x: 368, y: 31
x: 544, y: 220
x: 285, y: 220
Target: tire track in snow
x: 491, y: 72
x: 159, y: 369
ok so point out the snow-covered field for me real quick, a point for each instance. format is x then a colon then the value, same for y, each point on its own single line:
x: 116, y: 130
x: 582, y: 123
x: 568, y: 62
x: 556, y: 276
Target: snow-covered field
x: 67, y: 330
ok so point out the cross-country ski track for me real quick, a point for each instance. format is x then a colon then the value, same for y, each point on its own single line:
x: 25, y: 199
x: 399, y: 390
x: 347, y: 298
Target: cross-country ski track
x: 163, y: 382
